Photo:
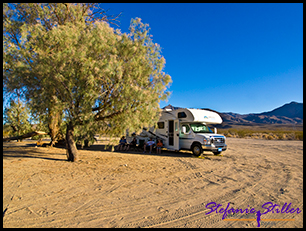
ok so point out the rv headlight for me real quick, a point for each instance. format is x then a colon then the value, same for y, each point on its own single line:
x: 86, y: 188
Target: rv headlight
x: 206, y: 140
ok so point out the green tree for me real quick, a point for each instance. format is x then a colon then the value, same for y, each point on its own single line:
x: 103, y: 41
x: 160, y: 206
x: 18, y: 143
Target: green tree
x: 49, y: 15
x: 17, y: 116
x: 96, y: 76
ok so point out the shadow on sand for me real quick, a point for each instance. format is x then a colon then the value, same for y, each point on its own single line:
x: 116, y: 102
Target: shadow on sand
x: 139, y: 151
x: 21, y: 151
x: 26, y: 154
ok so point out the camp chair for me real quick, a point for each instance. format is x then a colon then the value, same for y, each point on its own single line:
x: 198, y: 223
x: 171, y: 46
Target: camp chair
x: 140, y: 145
x: 134, y: 148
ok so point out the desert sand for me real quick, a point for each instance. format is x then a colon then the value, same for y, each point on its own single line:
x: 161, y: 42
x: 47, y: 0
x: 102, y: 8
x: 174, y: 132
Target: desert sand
x: 132, y: 189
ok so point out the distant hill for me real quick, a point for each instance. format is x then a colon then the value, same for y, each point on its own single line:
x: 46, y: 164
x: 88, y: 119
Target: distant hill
x: 171, y: 107
x: 290, y: 110
x: 290, y: 113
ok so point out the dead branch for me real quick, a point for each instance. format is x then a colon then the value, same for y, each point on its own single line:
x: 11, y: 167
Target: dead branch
x: 27, y: 135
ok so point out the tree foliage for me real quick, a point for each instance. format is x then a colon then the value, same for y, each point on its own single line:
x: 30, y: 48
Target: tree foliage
x: 49, y: 15
x: 17, y: 117
x: 96, y: 76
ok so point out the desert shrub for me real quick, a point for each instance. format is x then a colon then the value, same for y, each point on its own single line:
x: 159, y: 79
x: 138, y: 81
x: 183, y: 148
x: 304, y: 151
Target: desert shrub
x: 262, y: 134
x: 299, y: 135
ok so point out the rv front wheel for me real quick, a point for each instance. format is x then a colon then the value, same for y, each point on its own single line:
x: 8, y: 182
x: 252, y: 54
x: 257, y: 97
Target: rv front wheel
x: 196, y: 149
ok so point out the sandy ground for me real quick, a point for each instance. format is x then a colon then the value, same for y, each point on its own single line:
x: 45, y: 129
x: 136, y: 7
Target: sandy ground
x: 117, y: 189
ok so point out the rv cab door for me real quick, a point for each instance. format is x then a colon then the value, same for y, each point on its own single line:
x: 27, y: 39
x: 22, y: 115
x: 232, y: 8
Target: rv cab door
x: 174, y: 134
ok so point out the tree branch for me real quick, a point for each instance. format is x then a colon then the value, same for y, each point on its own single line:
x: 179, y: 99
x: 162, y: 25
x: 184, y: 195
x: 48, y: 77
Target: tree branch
x: 35, y: 133
x: 108, y: 116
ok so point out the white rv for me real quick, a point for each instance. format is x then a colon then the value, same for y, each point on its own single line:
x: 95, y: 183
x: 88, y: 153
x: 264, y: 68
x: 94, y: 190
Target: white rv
x: 186, y: 129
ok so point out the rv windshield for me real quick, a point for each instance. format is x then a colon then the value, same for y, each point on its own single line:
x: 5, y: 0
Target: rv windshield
x: 200, y: 128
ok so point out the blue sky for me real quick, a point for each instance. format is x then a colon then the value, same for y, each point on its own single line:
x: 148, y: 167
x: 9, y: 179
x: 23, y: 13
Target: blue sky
x: 242, y: 58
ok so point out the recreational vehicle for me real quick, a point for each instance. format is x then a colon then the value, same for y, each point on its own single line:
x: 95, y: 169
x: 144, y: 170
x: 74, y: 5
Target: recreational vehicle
x: 186, y: 129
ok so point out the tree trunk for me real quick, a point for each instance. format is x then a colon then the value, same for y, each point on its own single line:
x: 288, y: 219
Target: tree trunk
x: 54, y: 122
x: 72, y: 152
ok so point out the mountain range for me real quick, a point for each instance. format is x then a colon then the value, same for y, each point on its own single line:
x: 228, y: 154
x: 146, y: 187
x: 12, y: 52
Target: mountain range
x: 290, y: 113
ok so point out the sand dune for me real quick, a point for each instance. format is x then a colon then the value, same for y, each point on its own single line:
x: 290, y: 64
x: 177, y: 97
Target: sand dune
x: 117, y: 189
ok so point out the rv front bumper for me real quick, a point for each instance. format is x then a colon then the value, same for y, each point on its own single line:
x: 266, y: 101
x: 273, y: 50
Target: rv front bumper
x: 213, y: 148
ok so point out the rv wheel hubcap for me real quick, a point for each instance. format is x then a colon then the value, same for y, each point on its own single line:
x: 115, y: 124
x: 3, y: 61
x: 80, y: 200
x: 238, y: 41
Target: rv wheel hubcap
x: 196, y: 150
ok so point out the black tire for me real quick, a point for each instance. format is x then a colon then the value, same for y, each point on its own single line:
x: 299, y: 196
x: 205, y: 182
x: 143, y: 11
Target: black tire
x: 196, y: 149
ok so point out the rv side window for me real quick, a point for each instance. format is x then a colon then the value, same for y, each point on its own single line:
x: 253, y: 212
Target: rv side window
x: 187, y: 128
x: 161, y: 125
x: 181, y: 115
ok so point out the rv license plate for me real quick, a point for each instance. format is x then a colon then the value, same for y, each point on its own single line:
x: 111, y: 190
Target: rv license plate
x: 219, y: 149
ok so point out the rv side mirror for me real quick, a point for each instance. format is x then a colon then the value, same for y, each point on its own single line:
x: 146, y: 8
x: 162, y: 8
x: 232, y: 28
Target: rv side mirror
x: 215, y: 130
x: 184, y: 129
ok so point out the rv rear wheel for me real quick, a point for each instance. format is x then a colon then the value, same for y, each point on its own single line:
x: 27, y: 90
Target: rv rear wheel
x: 196, y: 149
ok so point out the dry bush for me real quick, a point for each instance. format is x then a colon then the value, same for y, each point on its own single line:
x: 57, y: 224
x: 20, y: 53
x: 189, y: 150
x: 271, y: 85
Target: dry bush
x: 263, y: 134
